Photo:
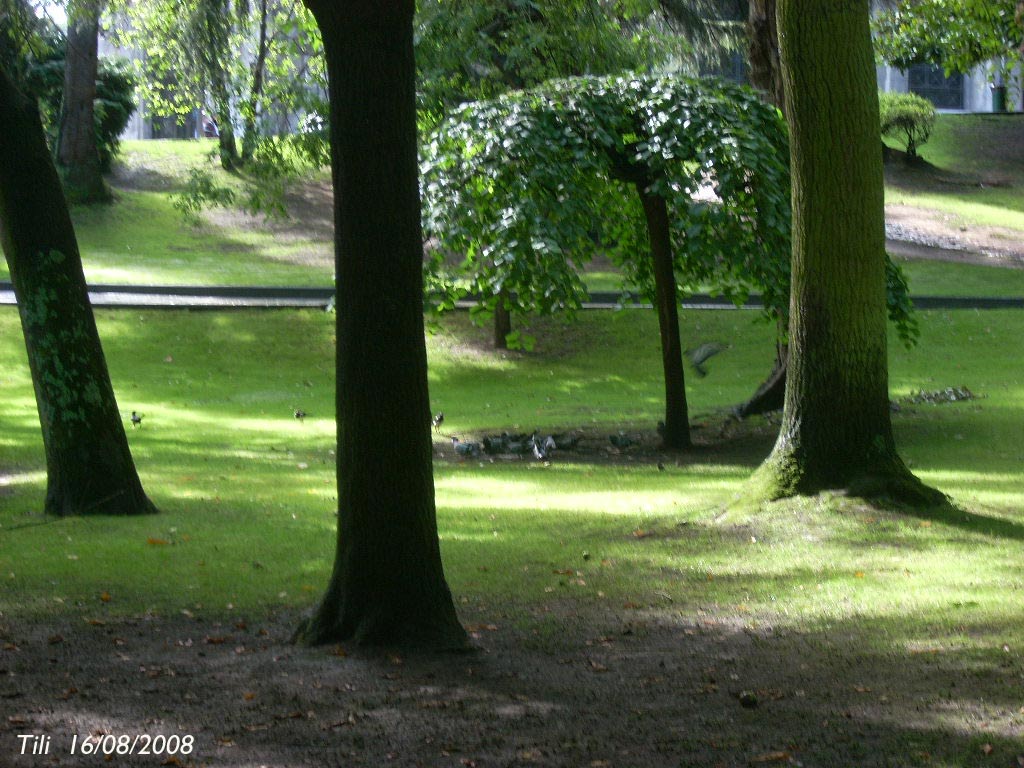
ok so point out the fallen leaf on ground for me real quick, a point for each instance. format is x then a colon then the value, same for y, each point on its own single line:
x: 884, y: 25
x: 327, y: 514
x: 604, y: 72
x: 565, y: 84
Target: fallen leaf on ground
x: 157, y: 542
x: 105, y: 597
x: 248, y: 695
x: 986, y: 748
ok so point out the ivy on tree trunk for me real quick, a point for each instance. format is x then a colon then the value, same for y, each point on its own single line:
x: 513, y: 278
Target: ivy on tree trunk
x: 388, y: 585
x: 89, y: 466
x: 836, y: 431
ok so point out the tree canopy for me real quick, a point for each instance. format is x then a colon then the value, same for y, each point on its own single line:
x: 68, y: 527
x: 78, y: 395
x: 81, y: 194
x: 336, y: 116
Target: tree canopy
x: 529, y: 186
x: 919, y: 31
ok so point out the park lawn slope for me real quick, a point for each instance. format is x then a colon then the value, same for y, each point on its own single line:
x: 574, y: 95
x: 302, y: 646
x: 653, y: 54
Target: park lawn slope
x: 600, y: 572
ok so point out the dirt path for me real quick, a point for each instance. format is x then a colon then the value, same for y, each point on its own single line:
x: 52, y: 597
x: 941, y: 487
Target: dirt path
x: 921, y: 233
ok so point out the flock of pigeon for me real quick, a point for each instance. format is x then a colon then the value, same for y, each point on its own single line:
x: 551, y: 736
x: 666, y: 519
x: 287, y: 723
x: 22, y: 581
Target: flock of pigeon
x: 540, y: 447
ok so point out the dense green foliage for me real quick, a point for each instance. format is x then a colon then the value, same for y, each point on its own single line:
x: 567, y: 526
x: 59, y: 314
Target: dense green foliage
x: 32, y: 51
x: 906, y: 117
x: 955, y: 34
x: 115, y: 99
x: 525, y: 189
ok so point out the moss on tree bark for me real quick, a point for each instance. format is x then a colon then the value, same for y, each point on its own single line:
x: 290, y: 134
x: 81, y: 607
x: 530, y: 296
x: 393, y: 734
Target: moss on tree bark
x: 89, y: 466
x: 836, y: 431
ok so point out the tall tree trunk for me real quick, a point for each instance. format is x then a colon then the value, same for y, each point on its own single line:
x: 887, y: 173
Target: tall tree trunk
x: 766, y: 76
x: 765, y: 67
x: 388, y: 585
x: 836, y: 431
x: 76, y: 152
x: 677, y: 428
x: 251, y: 134
x: 89, y: 466
x: 502, y: 321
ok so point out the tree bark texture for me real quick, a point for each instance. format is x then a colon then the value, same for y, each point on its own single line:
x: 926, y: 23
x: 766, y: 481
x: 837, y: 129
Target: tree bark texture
x: 766, y: 76
x: 836, y: 431
x: 677, y: 429
x: 765, y: 67
x: 502, y: 321
x: 76, y: 152
x: 388, y: 585
x: 89, y: 466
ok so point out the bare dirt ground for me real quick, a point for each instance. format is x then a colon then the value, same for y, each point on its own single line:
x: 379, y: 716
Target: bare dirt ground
x: 927, y: 234
x: 622, y: 686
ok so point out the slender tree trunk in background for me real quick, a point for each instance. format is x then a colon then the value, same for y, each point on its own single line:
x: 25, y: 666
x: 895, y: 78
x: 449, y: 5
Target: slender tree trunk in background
x: 677, y: 428
x: 216, y: 20
x: 765, y: 67
x: 226, y: 139
x: 766, y: 76
x: 89, y: 466
x: 388, y: 585
x: 76, y: 152
x: 836, y: 431
x: 251, y: 134
x: 502, y: 321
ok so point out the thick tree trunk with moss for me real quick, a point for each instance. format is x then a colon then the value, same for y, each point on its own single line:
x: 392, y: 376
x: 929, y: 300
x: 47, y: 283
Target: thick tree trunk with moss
x: 676, y: 434
x: 76, y: 152
x: 836, y: 431
x: 89, y: 467
x: 388, y: 586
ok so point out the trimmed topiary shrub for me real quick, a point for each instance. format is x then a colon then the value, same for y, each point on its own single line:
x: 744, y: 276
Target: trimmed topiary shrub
x: 906, y: 117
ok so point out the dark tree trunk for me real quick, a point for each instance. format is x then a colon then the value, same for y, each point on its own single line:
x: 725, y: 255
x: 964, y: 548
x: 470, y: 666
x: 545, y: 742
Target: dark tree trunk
x: 836, y: 431
x: 388, y: 586
x: 677, y: 429
x: 256, y: 93
x: 765, y: 67
x: 766, y: 76
x: 502, y: 321
x: 76, y: 152
x: 89, y: 467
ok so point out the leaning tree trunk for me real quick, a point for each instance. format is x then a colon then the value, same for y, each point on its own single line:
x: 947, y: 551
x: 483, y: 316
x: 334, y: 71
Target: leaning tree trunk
x: 388, y: 584
x: 836, y: 431
x: 676, y: 434
x: 77, y: 153
x: 89, y: 467
x: 766, y: 76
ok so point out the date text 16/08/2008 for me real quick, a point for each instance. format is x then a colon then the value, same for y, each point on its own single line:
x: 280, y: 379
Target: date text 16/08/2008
x: 110, y: 744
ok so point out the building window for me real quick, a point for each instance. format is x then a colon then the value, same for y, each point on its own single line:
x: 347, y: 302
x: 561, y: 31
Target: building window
x: 930, y: 81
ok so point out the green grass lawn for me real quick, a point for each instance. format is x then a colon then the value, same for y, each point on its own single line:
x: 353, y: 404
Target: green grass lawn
x: 247, y: 491
x: 906, y: 603
x: 143, y: 239
x: 975, y: 171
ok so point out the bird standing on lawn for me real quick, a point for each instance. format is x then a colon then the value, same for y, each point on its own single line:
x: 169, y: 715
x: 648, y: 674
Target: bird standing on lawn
x: 701, y: 354
x: 136, y: 420
x: 437, y: 421
x: 300, y: 414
